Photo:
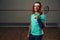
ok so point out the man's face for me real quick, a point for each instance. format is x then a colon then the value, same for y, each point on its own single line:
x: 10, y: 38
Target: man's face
x: 36, y: 7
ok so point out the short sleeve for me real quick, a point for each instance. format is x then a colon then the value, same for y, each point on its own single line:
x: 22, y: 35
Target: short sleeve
x: 43, y: 18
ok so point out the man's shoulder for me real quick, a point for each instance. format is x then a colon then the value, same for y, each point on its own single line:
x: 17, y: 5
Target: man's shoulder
x: 32, y: 14
x: 43, y: 15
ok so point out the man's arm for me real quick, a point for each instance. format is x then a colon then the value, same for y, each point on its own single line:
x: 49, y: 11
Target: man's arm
x: 29, y: 29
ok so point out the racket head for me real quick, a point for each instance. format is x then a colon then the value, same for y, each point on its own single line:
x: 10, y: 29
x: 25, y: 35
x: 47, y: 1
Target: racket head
x: 46, y: 9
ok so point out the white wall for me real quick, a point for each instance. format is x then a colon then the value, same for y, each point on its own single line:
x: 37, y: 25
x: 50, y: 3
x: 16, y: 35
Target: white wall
x: 24, y: 16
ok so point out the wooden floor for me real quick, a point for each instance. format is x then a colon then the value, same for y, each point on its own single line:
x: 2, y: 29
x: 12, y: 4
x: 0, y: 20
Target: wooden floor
x: 19, y: 33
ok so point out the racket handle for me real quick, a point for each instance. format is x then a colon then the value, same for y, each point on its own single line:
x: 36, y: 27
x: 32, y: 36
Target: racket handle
x: 37, y: 15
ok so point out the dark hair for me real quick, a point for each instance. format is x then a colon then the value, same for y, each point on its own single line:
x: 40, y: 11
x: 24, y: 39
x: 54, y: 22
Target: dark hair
x: 33, y: 11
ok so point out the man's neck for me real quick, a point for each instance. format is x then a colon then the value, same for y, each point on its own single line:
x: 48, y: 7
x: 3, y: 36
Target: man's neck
x: 36, y: 12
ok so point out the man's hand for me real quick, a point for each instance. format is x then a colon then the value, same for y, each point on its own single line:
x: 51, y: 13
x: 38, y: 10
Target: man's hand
x: 37, y: 17
x: 27, y: 37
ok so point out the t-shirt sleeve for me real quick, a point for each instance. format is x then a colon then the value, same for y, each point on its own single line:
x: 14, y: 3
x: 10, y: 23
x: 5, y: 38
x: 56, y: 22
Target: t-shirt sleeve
x: 43, y: 18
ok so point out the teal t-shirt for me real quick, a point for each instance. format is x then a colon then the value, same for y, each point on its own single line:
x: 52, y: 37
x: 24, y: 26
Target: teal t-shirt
x: 35, y: 29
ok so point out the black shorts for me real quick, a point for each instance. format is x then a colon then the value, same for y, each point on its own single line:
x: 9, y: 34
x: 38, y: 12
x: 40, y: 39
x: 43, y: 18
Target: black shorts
x: 34, y: 37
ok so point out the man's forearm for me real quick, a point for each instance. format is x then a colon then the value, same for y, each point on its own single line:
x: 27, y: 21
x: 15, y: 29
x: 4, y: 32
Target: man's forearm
x: 29, y: 29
